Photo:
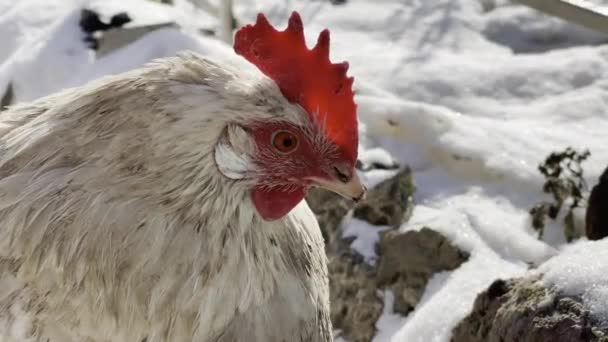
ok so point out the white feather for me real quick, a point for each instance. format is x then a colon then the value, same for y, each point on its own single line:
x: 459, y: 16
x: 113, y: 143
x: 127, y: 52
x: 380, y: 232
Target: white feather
x: 126, y: 215
x: 234, y: 164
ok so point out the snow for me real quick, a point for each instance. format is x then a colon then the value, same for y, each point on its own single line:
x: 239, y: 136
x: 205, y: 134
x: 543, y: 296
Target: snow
x: 365, y: 237
x: 581, y: 270
x: 376, y: 156
x: 50, y: 59
x: 449, y: 297
x: 471, y: 96
x: 389, y: 322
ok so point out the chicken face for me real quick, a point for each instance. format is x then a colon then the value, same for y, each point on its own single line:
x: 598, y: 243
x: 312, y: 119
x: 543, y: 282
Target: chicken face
x: 318, y: 145
x: 289, y: 159
x: 279, y: 161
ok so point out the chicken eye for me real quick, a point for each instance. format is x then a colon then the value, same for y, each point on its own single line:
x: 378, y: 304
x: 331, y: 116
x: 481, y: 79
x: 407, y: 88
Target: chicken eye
x: 284, y: 141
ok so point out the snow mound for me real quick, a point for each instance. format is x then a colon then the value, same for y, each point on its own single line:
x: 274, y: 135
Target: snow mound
x: 47, y: 60
x: 365, y: 237
x: 581, y: 269
x: 525, y: 30
x: 441, y: 86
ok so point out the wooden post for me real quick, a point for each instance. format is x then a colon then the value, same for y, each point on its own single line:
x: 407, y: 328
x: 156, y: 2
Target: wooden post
x: 225, y: 16
x: 116, y: 38
x: 580, y: 12
x: 226, y: 19
x: 7, y: 98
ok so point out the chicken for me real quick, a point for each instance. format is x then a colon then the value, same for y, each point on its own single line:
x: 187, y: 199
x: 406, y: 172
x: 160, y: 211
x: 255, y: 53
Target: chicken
x: 166, y: 203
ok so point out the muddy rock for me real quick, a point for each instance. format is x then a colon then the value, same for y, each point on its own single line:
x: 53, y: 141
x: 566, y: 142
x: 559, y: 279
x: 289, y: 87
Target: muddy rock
x: 106, y: 37
x: 390, y: 202
x: 523, y: 310
x: 596, y: 219
x: 408, y: 260
x: 91, y: 23
x: 355, y: 305
x: 329, y: 209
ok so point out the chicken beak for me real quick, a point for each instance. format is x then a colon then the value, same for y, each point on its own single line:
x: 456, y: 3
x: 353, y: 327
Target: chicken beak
x: 352, y: 189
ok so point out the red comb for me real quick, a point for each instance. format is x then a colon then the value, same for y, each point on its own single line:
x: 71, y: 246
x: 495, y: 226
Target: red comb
x: 306, y: 77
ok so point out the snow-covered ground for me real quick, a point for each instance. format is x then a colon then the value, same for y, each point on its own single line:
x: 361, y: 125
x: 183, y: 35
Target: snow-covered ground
x: 471, y: 94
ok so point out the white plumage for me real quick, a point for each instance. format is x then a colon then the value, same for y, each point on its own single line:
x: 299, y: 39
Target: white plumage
x: 126, y: 214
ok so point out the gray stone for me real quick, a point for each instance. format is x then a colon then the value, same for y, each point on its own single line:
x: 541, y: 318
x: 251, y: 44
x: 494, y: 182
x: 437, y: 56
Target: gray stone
x: 390, y: 202
x: 329, y: 209
x: 408, y: 260
x: 355, y: 307
x: 596, y: 219
x: 523, y: 310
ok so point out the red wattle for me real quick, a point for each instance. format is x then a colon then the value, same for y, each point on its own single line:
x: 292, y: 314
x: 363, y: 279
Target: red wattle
x: 274, y: 204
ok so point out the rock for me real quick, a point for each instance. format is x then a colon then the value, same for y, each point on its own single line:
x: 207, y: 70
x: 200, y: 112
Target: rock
x: 355, y: 306
x: 107, y: 37
x: 90, y: 24
x: 390, y: 202
x: 596, y: 220
x: 523, y: 310
x: 330, y: 209
x: 376, y: 159
x: 408, y: 260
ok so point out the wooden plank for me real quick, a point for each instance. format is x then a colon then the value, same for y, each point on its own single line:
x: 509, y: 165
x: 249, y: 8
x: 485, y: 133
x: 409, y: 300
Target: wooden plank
x: 226, y: 19
x: 8, y: 97
x: 116, y: 38
x: 581, y: 12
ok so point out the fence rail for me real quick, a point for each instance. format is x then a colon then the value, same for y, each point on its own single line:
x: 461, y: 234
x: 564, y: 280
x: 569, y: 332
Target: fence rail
x: 580, y: 12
